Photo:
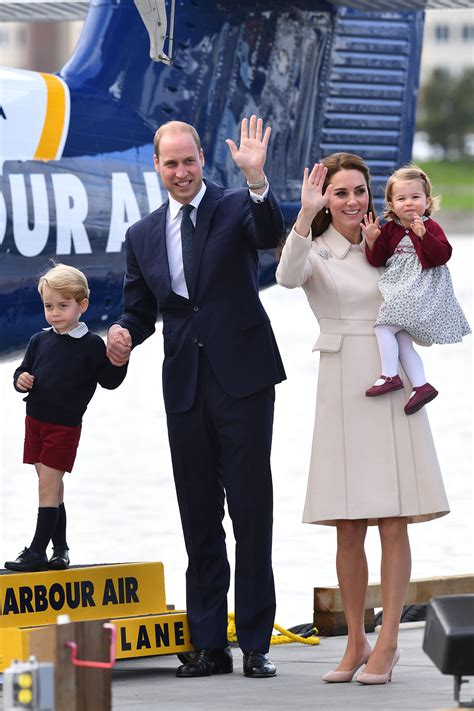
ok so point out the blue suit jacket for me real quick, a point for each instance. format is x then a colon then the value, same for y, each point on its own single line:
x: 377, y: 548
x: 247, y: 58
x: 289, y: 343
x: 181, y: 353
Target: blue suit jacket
x: 224, y: 312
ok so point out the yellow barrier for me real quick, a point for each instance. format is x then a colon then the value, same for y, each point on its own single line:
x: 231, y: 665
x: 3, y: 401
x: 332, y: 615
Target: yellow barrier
x: 132, y: 595
x: 83, y: 593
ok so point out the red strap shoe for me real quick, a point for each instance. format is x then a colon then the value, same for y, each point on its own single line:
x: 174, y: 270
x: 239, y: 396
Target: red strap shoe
x: 394, y: 383
x: 423, y: 395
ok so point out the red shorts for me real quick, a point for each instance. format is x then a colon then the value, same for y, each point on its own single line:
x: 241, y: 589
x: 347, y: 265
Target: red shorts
x: 52, y: 445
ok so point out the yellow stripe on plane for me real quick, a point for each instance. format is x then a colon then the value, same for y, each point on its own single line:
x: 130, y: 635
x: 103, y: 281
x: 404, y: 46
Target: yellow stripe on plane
x: 54, y: 120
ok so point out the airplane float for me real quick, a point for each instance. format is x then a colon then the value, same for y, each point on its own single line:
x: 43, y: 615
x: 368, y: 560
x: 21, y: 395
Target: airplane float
x: 76, y: 153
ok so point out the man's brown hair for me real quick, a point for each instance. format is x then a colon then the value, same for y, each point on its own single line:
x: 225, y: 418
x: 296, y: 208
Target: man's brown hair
x: 175, y: 127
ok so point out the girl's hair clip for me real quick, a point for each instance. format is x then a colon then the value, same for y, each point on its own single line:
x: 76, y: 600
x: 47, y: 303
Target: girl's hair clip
x: 423, y: 175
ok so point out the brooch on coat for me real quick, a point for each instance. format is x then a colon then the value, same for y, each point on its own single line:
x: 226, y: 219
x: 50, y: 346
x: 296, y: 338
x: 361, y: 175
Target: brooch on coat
x: 325, y: 253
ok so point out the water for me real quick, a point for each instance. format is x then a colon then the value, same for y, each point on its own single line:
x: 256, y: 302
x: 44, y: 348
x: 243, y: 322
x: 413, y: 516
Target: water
x: 120, y: 499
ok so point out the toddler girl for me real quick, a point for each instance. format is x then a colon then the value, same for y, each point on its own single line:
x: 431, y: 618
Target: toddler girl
x: 418, y: 299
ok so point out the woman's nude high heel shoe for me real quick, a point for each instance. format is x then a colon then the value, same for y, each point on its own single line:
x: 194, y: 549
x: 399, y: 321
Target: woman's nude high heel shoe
x: 339, y: 677
x: 367, y: 678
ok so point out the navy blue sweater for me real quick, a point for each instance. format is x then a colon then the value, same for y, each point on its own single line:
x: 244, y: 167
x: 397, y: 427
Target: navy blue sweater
x: 66, y: 372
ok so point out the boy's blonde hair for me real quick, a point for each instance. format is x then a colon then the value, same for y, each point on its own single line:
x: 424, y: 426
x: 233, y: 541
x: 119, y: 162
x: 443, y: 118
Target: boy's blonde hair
x: 69, y: 281
x: 410, y: 172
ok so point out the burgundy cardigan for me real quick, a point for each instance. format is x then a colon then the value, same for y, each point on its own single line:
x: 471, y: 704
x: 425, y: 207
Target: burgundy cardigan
x: 433, y: 250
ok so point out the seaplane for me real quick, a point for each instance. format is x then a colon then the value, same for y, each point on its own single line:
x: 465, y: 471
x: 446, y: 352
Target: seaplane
x: 76, y: 149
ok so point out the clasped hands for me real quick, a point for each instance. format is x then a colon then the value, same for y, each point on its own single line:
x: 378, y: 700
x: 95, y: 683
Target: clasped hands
x: 119, y: 345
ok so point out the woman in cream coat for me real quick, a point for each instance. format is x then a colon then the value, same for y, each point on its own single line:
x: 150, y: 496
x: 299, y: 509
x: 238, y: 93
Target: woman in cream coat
x: 370, y: 463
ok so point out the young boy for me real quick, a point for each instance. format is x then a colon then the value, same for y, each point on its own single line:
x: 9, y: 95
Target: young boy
x: 60, y: 372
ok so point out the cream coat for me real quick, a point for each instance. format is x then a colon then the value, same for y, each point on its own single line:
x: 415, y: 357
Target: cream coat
x: 369, y: 460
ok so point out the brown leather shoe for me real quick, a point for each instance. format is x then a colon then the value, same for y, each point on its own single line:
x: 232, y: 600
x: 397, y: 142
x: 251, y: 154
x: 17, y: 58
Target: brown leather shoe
x: 391, y: 383
x: 423, y: 395
x: 207, y: 662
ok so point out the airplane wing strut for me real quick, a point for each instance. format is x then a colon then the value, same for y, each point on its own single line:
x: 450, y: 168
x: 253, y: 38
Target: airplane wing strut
x: 153, y: 14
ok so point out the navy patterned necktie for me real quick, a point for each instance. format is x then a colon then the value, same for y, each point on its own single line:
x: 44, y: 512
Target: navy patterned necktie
x: 187, y: 234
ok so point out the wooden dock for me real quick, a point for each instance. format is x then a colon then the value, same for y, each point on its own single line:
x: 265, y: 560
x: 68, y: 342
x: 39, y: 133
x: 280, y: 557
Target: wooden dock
x: 328, y: 610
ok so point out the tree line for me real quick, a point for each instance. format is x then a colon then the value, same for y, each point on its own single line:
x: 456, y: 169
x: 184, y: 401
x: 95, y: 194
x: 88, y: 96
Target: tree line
x: 446, y: 112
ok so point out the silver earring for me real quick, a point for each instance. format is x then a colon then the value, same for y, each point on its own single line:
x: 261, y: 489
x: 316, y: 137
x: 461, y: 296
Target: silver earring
x: 326, y: 211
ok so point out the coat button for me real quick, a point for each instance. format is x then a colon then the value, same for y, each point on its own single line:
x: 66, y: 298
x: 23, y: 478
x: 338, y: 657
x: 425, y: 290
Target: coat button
x: 196, y: 308
x: 195, y: 340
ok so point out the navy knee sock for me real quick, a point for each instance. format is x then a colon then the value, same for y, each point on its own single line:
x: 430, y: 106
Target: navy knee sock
x: 59, y: 534
x: 47, y: 520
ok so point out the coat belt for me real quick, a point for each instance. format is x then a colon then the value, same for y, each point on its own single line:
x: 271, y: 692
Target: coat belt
x: 347, y: 327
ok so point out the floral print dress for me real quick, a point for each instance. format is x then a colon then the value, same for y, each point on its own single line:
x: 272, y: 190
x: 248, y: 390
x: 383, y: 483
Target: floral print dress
x: 421, y: 301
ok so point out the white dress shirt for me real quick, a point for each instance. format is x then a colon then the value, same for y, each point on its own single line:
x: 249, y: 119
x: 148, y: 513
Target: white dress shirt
x: 77, y: 332
x: 173, y: 236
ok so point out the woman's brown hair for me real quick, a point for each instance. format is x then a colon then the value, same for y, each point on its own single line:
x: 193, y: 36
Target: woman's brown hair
x: 334, y: 163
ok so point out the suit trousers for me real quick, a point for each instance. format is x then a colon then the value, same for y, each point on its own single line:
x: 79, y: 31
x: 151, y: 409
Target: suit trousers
x: 221, y: 448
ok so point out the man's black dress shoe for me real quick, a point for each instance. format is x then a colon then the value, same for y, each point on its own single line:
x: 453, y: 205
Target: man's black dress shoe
x: 28, y: 561
x: 60, y: 558
x: 258, y: 665
x: 207, y: 662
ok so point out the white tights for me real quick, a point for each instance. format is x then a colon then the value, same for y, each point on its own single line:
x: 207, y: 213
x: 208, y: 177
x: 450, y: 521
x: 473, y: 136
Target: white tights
x: 394, y: 344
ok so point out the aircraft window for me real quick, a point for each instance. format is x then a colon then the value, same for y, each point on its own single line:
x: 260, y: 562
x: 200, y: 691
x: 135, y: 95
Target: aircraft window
x: 442, y: 33
x: 4, y: 38
x: 468, y: 33
x: 21, y: 37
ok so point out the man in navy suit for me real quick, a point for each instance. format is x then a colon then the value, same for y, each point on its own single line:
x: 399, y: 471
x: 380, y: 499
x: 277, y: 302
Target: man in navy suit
x: 195, y: 258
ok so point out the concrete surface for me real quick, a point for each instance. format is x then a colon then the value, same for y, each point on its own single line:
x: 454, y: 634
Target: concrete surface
x: 150, y: 685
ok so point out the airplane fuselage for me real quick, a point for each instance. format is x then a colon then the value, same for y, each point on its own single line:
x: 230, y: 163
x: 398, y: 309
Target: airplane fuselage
x: 76, y: 156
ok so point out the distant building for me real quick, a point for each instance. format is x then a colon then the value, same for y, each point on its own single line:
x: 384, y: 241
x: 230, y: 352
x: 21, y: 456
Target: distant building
x: 46, y: 46
x: 42, y: 46
x: 448, y: 41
